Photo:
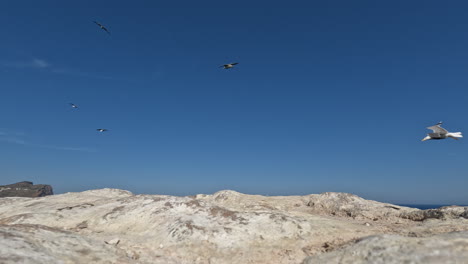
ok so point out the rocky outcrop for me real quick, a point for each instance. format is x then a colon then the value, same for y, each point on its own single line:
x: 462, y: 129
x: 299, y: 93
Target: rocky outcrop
x: 25, y: 189
x: 41, y: 244
x: 226, y: 227
x: 394, y: 249
x: 448, y: 212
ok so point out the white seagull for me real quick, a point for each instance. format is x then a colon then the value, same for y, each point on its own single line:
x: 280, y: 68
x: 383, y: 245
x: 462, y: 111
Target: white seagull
x: 73, y: 105
x: 441, y: 133
x: 101, y: 130
x: 229, y: 65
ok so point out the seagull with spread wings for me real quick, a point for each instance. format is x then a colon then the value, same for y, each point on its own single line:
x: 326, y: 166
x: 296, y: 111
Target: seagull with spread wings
x: 102, y: 27
x: 441, y: 133
x: 102, y: 130
x: 229, y: 65
x: 74, y: 106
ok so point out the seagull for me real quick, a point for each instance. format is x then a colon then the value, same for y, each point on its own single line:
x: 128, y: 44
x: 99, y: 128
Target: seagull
x: 228, y: 66
x: 102, y: 27
x: 74, y: 106
x: 441, y: 133
x: 101, y: 130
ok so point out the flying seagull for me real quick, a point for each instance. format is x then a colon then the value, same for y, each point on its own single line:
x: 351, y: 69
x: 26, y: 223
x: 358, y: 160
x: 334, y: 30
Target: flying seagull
x: 102, y: 27
x: 228, y: 66
x: 74, y: 106
x: 441, y: 133
x: 101, y: 130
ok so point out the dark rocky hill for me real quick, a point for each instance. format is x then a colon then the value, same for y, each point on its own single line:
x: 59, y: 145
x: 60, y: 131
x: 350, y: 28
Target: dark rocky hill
x: 25, y: 189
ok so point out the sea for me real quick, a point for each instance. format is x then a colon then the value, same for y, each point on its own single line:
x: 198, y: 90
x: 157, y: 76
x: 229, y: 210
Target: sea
x: 427, y: 206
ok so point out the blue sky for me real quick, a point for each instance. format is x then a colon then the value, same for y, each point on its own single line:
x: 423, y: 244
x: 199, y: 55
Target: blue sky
x: 327, y: 96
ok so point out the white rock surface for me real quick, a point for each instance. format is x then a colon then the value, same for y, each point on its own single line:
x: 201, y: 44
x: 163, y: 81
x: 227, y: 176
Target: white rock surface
x: 40, y: 244
x: 226, y: 227
x: 393, y: 249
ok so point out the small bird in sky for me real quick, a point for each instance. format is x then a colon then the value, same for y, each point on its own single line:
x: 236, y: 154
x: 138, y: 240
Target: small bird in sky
x: 101, y: 130
x: 441, y: 133
x: 74, y: 106
x: 102, y: 27
x: 228, y: 66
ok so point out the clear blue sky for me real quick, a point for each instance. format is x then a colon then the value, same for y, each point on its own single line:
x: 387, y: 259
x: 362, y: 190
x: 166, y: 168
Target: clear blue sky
x: 327, y: 96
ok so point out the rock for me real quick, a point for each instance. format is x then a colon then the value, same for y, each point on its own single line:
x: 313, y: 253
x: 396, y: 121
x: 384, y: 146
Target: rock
x: 394, y: 249
x: 25, y: 189
x: 448, y: 212
x: 349, y: 205
x: 225, y: 227
x: 41, y: 244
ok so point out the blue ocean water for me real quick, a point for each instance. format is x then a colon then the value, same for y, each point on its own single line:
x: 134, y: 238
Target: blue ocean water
x: 426, y: 206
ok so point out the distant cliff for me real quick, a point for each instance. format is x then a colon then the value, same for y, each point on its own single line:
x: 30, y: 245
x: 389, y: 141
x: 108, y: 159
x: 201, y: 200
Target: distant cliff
x: 25, y: 189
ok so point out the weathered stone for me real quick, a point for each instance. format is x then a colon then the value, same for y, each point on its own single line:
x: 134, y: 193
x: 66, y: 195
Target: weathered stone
x: 41, y: 244
x: 25, y: 189
x: 394, y: 249
x: 448, y: 212
x: 226, y: 227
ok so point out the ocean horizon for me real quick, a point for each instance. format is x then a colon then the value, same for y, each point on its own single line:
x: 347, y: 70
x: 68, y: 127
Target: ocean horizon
x: 427, y: 206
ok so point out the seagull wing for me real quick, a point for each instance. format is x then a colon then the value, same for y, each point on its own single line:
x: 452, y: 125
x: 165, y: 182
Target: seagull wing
x: 438, y: 129
x: 235, y: 63
x: 102, y: 27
